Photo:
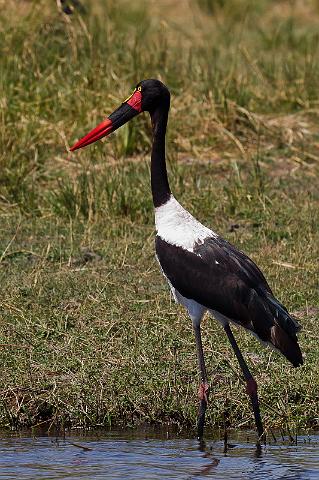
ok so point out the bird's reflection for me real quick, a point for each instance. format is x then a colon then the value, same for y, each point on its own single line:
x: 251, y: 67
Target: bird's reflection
x: 208, y: 454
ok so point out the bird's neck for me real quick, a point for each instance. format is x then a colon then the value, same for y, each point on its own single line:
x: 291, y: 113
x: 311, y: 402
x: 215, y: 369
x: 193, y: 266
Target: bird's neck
x: 159, y: 180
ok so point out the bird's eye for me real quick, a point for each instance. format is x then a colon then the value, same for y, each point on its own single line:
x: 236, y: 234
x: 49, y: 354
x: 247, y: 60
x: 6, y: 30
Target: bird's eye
x: 139, y: 89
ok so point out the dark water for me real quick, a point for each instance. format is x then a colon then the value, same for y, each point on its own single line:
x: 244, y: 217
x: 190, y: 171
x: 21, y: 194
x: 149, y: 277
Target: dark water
x: 123, y: 456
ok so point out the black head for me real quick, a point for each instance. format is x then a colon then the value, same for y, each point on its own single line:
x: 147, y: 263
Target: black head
x: 149, y: 95
x: 154, y: 94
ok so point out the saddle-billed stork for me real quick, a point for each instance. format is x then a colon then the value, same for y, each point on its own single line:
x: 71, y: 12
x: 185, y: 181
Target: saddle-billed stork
x: 204, y: 271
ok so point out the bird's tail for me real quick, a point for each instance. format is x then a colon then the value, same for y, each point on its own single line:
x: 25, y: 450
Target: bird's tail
x: 283, y: 332
x: 287, y: 345
x: 273, y: 324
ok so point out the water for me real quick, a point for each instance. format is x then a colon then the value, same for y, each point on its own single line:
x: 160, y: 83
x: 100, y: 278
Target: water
x: 124, y: 456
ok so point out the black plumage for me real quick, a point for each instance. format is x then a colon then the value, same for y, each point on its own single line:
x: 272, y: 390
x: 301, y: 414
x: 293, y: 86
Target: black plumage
x: 224, y: 279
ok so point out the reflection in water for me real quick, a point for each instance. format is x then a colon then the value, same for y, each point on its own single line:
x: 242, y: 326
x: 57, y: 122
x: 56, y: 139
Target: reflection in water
x: 135, y: 456
x: 208, y: 468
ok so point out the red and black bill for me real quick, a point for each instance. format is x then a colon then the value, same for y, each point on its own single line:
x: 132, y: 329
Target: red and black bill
x: 129, y: 109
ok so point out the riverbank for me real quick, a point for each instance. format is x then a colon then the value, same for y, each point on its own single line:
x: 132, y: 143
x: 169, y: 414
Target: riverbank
x: 89, y: 335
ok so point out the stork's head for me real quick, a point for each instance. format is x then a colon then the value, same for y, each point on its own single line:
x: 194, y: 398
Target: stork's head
x: 148, y: 95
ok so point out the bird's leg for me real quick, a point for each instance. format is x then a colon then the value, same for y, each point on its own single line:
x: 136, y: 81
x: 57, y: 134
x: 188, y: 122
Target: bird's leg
x: 203, y: 391
x: 251, y: 385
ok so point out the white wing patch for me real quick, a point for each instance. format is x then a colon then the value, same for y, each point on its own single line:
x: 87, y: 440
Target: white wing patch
x: 178, y: 227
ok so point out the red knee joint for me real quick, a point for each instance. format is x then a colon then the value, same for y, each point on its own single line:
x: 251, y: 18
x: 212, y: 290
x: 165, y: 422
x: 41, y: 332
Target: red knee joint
x: 251, y: 387
x: 203, y: 392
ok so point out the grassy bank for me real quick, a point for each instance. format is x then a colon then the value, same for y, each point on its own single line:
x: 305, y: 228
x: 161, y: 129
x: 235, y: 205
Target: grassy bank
x: 88, y: 333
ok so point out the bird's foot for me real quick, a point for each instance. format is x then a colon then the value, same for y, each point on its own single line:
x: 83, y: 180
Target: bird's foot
x: 203, y: 392
x: 251, y: 387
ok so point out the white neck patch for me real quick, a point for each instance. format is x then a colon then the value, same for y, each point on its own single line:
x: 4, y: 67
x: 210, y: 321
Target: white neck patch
x: 177, y: 226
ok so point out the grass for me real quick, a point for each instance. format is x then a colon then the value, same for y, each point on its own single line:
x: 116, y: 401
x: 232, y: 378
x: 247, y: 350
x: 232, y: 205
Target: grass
x: 88, y: 333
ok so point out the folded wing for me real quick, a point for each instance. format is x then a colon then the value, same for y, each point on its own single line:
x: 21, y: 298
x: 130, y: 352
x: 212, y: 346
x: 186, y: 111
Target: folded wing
x: 224, y: 279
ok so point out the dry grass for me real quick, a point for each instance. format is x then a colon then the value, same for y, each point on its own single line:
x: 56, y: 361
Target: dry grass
x: 88, y: 333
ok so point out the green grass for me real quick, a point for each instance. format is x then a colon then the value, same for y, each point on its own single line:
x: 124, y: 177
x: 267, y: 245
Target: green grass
x: 89, y: 335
